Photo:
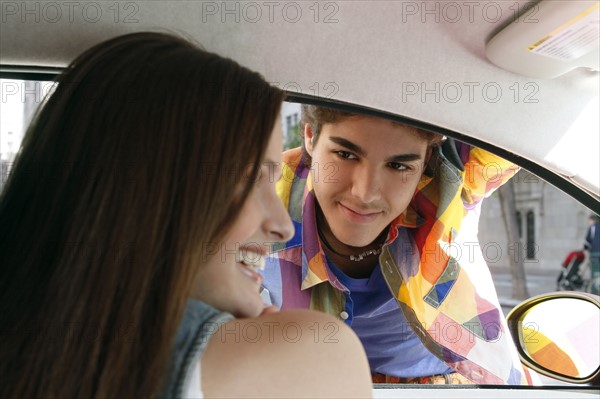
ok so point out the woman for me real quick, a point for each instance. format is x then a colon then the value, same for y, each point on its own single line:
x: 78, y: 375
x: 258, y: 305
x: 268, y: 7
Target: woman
x: 135, y: 214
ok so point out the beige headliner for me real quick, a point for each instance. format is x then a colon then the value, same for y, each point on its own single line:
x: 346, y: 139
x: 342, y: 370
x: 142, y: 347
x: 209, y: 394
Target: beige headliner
x: 373, y: 54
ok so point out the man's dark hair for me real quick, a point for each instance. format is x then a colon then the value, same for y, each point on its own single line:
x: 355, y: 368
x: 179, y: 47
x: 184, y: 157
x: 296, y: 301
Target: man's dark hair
x: 318, y: 116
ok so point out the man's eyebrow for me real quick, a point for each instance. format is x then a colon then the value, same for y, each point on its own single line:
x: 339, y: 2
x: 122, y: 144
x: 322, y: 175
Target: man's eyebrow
x: 348, y: 144
x: 404, y: 158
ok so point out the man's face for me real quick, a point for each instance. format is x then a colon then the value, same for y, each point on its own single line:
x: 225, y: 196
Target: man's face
x: 365, y: 172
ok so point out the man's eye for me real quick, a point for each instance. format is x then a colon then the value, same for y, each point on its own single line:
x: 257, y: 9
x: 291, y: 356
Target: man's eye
x: 398, y: 166
x: 345, y: 155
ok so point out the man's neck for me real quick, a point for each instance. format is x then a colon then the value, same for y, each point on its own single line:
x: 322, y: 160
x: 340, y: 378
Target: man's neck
x: 354, y: 269
x: 337, y: 250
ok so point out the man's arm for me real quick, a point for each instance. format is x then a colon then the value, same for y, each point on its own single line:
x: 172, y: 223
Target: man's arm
x: 484, y: 173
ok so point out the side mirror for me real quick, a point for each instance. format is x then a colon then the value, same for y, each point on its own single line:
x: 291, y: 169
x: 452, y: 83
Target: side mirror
x: 558, y: 335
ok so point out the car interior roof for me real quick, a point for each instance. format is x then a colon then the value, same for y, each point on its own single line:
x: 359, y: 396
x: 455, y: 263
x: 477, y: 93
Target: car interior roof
x: 369, y: 54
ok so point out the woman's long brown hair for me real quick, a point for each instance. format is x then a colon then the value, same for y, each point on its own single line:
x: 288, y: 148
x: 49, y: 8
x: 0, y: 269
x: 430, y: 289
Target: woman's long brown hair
x: 137, y: 161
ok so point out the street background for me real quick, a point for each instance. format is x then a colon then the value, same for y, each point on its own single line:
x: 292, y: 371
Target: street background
x: 538, y: 282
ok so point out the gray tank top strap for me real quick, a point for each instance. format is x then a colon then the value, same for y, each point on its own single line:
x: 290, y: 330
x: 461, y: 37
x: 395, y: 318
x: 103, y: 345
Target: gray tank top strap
x: 199, y: 322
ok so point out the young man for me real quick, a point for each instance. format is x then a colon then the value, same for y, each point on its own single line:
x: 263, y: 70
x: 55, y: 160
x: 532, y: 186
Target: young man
x: 377, y: 208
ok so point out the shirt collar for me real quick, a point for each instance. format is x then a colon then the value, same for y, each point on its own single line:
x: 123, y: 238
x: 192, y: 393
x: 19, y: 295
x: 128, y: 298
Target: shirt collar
x: 315, y: 269
x: 314, y: 264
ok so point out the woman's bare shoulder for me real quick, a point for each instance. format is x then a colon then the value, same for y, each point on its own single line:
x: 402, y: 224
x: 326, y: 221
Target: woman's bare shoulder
x: 297, y: 353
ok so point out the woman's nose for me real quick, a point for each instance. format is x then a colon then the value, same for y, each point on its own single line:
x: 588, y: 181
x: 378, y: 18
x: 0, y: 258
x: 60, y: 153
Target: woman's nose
x: 278, y: 225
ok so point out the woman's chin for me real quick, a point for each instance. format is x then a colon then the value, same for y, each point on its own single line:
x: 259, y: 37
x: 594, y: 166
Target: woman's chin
x: 249, y: 309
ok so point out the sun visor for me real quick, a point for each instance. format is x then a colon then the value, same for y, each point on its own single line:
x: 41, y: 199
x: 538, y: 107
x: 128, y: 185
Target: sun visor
x: 548, y: 39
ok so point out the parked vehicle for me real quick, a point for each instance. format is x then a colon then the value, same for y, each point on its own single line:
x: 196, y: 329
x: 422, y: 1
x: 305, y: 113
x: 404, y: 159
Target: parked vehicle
x: 571, y: 276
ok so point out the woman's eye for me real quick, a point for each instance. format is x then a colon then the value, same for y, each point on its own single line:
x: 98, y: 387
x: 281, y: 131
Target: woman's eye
x: 345, y: 155
x: 398, y: 166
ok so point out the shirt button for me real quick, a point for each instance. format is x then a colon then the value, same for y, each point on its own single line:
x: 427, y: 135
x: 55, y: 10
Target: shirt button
x: 344, y: 315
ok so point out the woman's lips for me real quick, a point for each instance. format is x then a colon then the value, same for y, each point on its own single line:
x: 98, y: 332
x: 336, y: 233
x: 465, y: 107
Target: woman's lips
x: 358, y: 216
x: 251, y: 274
x: 251, y: 260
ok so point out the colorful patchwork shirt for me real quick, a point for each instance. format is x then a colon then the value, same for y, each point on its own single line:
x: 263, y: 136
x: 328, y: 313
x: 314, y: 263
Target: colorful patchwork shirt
x: 443, y: 287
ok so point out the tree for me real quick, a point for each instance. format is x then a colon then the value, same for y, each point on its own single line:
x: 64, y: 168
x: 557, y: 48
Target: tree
x: 293, y: 139
x: 506, y: 194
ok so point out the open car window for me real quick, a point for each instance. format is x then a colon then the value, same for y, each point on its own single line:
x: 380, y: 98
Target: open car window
x: 526, y: 229
x: 20, y: 101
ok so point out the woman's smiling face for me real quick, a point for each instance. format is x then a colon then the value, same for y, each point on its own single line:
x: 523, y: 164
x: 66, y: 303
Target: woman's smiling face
x: 230, y: 281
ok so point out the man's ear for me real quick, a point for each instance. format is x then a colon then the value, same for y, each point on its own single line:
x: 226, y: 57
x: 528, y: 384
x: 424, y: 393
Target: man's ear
x: 431, y: 161
x: 428, y: 155
x: 308, y: 138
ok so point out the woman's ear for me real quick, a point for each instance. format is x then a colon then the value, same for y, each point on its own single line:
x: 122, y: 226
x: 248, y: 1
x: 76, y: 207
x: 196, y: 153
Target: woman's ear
x: 308, y: 138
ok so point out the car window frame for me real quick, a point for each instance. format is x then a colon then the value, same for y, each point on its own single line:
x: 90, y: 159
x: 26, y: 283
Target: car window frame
x: 569, y: 188
x: 33, y: 73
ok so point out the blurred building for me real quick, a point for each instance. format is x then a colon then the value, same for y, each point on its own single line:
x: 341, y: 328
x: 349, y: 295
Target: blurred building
x: 290, y: 119
x: 20, y: 100
x: 551, y: 224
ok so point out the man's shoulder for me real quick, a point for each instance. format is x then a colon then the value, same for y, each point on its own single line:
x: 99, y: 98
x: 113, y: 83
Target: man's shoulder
x: 293, y: 169
x: 292, y: 157
x: 291, y: 186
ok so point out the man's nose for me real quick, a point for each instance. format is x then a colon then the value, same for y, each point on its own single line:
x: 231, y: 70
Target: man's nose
x: 366, y: 184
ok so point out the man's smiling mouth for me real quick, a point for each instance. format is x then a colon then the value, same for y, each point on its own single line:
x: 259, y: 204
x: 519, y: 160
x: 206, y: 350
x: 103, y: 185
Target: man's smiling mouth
x: 358, y: 215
